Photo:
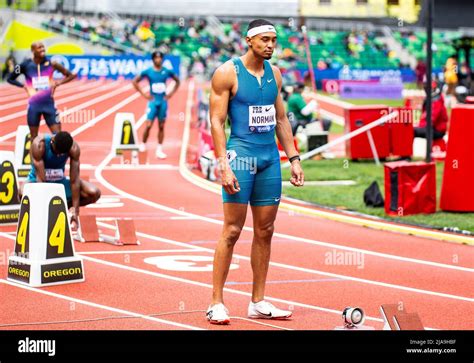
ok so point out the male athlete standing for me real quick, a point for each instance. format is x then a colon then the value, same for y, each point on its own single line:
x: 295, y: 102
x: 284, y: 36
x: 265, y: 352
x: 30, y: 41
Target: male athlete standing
x: 158, y: 105
x: 40, y: 87
x: 248, y: 90
x: 49, y: 154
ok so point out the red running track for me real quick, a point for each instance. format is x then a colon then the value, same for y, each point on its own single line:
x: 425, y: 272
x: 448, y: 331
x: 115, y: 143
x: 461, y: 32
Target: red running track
x: 165, y: 283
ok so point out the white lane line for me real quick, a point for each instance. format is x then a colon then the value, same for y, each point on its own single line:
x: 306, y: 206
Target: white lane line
x: 313, y: 271
x: 207, y: 185
x: 15, y: 115
x: 59, y: 96
x: 192, y: 248
x: 100, y: 306
x: 110, y: 111
x: 92, y: 122
x: 139, y: 167
x: 209, y: 286
x: 22, y: 94
x: 121, y: 252
x: 101, y: 179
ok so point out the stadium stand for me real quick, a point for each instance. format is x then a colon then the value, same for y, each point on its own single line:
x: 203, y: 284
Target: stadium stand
x: 195, y: 40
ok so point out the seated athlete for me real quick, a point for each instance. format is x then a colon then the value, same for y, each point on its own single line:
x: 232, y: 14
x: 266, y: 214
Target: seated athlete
x: 40, y: 87
x: 49, y: 154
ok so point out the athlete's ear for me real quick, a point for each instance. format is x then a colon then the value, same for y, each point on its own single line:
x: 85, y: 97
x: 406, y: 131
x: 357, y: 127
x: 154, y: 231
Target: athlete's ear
x: 249, y: 41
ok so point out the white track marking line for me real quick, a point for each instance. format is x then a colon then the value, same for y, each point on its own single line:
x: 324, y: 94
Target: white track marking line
x: 134, y: 252
x: 57, y: 96
x: 204, y: 184
x: 110, y: 111
x: 140, y: 167
x: 15, y: 115
x: 100, y: 306
x: 311, y: 271
x: 209, y: 286
x: 101, y: 179
x: 92, y: 122
x: 21, y: 93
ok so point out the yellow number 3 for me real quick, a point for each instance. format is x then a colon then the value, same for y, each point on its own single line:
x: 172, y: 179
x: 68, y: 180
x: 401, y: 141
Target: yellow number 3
x: 58, y: 234
x: 8, y: 178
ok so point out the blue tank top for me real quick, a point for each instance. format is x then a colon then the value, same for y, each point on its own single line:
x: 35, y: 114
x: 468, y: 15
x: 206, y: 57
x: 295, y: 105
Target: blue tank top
x: 252, y: 110
x: 54, y: 164
x: 157, y: 79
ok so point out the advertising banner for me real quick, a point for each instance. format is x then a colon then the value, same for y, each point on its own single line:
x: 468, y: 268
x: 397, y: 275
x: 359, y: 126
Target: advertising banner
x: 112, y: 67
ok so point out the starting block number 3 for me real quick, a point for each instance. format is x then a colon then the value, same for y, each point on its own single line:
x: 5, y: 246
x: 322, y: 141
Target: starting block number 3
x: 8, y: 183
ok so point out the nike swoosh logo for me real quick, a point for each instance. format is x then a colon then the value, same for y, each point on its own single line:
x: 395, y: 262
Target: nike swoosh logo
x: 268, y: 109
x: 269, y: 80
x: 277, y: 199
x: 269, y: 314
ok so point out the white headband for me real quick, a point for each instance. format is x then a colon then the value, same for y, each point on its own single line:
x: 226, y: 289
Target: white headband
x: 260, y: 29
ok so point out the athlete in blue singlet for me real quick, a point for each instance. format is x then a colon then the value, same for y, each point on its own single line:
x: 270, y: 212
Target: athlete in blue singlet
x: 158, y: 99
x: 40, y: 87
x: 49, y: 154
x: 247, y: 89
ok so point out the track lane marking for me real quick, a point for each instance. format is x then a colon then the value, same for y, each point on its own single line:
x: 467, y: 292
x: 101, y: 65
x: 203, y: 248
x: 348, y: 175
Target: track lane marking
x: 100, y: 306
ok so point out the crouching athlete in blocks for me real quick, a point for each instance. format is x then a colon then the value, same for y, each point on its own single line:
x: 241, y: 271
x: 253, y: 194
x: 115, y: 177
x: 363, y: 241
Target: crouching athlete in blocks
x: 49, y: 154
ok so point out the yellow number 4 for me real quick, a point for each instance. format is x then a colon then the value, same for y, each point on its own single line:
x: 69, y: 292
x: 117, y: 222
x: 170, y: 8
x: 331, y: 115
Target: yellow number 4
x: 21, y: 238
x: 58, y: 234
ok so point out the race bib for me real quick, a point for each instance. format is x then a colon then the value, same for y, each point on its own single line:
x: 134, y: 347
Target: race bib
x: 158, y: 87
x: 54, y: 174
x: 262, y: 118
x: 41, y: 83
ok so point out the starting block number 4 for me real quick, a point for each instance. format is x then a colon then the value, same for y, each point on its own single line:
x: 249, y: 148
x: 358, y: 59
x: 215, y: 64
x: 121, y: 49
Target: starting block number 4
x: 59, y: 238
x: 44, y: 253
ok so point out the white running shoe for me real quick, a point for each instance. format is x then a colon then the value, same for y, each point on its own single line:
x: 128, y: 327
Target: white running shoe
x: 218, y: 314
x: 265, y: 310
x: 160, y: 154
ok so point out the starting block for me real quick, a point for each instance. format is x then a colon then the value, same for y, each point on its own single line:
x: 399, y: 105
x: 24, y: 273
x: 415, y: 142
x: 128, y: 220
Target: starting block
x: 9, y: 202
x: 125, y: 133
x: 134, y: 157
x: 143, y: 157
x: 87, y: 230
x: 127, y: 157
x: 396, y: 318
x: 408, y: 321
x: 44, y: 252
x: 124, y: 234
x: 22, y: 151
